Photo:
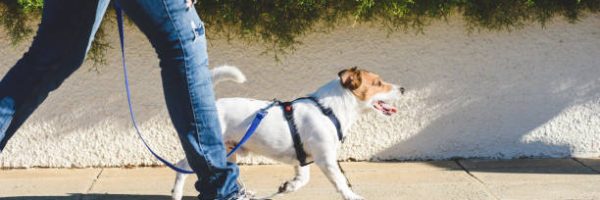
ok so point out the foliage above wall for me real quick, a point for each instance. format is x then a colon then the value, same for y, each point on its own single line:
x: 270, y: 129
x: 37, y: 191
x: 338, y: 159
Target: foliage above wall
x: 278, y: 23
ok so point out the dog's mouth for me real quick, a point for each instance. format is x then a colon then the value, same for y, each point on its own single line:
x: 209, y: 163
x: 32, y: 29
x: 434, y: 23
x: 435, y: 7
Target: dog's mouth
x: 385, y: 108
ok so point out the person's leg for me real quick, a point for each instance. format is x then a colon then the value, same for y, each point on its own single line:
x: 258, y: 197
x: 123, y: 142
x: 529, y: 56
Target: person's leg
x: 177, y: 34
x: 58, y: 49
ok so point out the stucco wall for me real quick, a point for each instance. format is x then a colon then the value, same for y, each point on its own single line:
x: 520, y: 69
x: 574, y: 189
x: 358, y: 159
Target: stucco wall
x: 528, y: 92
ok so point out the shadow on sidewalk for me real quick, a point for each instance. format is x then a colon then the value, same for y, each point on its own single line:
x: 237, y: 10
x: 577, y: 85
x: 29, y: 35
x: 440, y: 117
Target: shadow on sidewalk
x: 97, y: 197
x: 526, y: 166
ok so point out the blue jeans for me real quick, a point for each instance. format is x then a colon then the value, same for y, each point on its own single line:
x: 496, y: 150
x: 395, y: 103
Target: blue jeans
x: 177, y: 35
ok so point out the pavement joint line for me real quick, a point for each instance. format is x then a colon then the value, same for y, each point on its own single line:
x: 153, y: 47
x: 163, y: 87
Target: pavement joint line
x: 584, y: 165
x: 94, y: 182
x: 487, y: 189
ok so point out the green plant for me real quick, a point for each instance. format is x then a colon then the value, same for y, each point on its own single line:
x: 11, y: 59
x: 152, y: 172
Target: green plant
x: 278, y: 23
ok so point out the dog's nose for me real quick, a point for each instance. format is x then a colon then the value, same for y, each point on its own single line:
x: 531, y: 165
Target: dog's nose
x: 401, y: 90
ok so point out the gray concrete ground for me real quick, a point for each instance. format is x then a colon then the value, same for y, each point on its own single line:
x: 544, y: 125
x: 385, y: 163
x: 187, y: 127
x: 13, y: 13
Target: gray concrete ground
x: 464, y: 179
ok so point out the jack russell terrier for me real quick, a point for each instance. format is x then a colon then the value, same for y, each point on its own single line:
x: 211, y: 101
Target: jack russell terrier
x: 353, y: 93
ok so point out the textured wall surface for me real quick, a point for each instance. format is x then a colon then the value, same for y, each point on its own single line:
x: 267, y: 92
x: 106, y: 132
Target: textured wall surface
x: 531, y: 92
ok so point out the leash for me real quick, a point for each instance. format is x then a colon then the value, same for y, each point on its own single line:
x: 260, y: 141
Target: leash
x: 253, y: 126
x: 255, y: 122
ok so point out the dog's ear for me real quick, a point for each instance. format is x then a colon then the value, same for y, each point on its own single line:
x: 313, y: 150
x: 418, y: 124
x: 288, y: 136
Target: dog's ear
x: 350, y: 78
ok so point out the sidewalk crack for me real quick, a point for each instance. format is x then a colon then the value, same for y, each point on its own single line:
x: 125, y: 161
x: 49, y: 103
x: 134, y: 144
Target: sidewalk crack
x: 485, y: 187
x: 94, y: 181
x: 584, y: 165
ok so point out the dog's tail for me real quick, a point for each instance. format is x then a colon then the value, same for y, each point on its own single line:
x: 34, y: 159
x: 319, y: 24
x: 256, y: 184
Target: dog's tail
x: 227, y: 73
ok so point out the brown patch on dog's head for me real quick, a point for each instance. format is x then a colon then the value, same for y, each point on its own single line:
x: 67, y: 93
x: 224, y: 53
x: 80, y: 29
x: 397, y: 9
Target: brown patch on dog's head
x: 350, y: 78
x: 362, y: 83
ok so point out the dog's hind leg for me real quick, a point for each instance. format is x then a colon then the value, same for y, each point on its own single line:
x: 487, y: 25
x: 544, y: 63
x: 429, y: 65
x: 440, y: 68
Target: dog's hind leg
x: 328, y: 164
x: 301, y: 179
x: 177, y: 192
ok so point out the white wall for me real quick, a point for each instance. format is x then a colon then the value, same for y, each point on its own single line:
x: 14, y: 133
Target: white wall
x: 529, y: 92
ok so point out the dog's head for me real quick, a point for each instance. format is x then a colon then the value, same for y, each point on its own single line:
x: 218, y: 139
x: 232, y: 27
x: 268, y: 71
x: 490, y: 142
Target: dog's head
x: 370, y: 90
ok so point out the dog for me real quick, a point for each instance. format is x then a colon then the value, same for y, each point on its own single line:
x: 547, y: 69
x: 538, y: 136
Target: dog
x: 351, y: 94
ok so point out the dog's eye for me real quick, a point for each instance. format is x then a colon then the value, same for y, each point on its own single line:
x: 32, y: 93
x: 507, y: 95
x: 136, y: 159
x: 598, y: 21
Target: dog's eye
x: 378, y: 83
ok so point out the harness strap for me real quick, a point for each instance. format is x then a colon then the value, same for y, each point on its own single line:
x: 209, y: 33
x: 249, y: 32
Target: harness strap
x: 288, y: 113
x: 329, y: 113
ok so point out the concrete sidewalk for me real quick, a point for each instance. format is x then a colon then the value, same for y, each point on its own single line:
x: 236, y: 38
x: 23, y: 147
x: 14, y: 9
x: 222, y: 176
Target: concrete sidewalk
x: 463, y: 179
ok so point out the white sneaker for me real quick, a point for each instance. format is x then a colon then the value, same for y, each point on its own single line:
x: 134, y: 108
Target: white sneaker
x: 243, y: 194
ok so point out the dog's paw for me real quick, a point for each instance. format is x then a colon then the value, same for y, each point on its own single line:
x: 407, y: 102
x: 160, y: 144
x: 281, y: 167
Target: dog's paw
x: 353, y: 196
x: 289, y: 186
x: 176, y: 194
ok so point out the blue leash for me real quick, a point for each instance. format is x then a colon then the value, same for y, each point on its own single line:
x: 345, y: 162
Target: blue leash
x: 257, y: 119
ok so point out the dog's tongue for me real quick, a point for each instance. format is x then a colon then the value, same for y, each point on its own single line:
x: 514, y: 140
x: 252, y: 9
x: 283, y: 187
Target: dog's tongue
x: 386, y: 108
x: 389, y: 108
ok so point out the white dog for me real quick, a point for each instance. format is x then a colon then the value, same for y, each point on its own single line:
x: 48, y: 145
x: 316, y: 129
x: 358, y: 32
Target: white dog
x: 352, y: 93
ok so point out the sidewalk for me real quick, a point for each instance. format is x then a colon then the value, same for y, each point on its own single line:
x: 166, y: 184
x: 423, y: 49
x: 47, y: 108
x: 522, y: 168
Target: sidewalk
x: 464, y: 179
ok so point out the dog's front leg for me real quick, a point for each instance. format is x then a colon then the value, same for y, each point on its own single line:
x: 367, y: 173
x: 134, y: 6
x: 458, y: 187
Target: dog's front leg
x: 301, y: 179
x: 330, y: 168
x: 177, y: 192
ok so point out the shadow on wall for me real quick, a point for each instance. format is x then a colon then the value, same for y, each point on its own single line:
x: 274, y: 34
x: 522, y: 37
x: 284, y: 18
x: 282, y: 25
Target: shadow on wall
x: 96, y: 197
x: 491, y: 111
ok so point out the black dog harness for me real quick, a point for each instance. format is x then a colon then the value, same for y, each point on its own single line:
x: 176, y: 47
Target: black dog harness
x: 288, y: 113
